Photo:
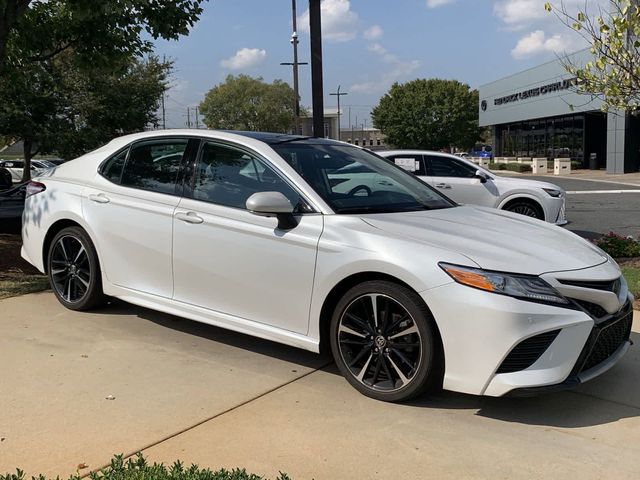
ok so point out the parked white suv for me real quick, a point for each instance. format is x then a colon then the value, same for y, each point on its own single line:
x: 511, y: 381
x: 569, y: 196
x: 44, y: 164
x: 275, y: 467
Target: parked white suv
x: 467, y: 183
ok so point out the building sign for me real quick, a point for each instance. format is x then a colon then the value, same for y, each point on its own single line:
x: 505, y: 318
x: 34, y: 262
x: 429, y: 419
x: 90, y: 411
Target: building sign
x: 536, y: 92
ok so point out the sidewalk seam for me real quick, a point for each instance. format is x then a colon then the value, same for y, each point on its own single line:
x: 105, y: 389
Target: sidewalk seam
x: 208, y: 419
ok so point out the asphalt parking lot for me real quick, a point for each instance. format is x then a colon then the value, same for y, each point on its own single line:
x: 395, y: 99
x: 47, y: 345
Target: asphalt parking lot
x: 592, y: 213
x: 76, y: 388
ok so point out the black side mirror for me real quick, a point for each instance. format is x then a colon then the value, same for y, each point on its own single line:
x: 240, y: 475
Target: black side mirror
x: 481, y: 176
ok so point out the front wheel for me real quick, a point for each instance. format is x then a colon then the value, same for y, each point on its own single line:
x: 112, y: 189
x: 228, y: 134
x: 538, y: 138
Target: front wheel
x: 384, y: 341
x: 74, y: 270
x: 528, y: 209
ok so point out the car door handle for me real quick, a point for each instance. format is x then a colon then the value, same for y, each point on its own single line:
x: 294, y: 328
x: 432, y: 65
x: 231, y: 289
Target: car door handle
x: 443, y: 185
x: 189, y: 217
x: 99, y: 198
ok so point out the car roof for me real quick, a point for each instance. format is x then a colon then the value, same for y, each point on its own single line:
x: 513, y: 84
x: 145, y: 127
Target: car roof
x: 415, y: 152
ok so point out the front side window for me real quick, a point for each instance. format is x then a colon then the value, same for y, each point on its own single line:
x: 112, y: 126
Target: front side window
x: 154, y: 165
x: 352, y: 180
x: 228, y: 176
x: 450, y: 167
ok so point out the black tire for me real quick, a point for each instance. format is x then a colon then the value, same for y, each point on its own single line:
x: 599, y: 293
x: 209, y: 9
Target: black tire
x: 74, y: 270
x: 528, y: 208
x: 388, y: 375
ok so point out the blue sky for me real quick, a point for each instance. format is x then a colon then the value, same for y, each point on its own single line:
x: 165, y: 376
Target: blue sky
x: 367, y: 45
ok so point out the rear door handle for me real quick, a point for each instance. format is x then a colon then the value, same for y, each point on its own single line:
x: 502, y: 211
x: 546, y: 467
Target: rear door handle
x: 189, y: 217
x: 99, y: 198
x: 443, y: 185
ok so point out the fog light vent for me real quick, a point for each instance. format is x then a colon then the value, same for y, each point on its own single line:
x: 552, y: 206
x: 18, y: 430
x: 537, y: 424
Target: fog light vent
x: 527, y: 352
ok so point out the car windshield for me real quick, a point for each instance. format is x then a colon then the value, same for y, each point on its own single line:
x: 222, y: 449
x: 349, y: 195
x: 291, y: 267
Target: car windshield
x: 352, y: 180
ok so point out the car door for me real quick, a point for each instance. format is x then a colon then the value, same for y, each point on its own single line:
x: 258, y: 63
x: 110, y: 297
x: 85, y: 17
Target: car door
x: 130, y: 207
x: 231, y: 261
x: 457, y: 179
x: 413, y: 163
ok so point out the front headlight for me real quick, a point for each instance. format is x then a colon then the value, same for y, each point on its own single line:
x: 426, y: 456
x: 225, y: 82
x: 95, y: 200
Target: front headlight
x: 519, y: 286
x: 554, y: 193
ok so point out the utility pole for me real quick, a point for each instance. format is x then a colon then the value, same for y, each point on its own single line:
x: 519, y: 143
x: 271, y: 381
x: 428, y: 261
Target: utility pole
x: 315, y: 34
x: 339, y: 94
x: 188, y: 117
x: 296, y: 85
x: 164, y: 115
x: 197, y: 122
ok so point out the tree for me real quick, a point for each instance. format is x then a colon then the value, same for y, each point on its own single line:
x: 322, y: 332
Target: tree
x: 58, y: 106
x: 99, y: 30
x: 245, y: 103
x: 613, y: 72
x: 431, y: 114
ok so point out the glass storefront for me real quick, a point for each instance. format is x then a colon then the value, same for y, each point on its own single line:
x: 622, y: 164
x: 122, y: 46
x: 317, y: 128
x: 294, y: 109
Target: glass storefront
x: 557, y: 137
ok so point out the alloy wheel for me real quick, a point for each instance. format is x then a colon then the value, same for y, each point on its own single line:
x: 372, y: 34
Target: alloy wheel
x: 70, y: 269
x: 380, y: 343
x: 526, y: 210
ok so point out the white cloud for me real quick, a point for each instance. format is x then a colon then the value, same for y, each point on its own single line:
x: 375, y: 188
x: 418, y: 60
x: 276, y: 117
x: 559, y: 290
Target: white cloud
x: 438, y: 3
x: 395, y: 69
x: 244, y: 58
x: 339, y: 22
x: 539, y: 42
x: 374, y: 32
x: 546, y: 34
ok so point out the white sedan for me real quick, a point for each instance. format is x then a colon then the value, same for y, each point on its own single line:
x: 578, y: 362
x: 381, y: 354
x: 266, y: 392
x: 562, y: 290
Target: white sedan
x: 16, y: 168
x: 255, y: 233
x: 465, y: 182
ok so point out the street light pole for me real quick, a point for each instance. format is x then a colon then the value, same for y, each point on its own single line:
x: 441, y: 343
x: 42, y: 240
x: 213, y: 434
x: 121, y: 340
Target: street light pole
x: 338, y: 94
x: 294, y: 64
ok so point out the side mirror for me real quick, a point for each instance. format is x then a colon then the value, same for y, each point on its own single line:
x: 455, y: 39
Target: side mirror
x: 273, y: 204
x: 482, y: 176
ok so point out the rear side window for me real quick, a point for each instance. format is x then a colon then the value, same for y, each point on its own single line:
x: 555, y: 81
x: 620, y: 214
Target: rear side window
x: 410, y: 163
x: 450, y: 167
x: 112, y: 169
x: 154, y: 165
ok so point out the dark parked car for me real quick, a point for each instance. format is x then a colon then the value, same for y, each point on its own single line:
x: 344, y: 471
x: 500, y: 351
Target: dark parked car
x: 12, y: 201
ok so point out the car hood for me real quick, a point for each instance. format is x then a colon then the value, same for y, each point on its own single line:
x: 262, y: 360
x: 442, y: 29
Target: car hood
x: 494, y: 239
x: 517, y: 182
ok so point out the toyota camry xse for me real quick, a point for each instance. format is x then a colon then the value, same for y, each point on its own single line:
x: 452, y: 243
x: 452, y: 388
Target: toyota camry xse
x: 257, y: 233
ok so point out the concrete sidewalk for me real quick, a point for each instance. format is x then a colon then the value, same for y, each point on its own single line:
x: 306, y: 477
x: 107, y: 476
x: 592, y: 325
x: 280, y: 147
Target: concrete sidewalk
x: 200, y: 394
x: 630, y: 179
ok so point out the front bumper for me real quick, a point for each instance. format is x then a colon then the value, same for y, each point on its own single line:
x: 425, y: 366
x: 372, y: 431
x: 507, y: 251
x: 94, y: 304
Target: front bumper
x: 479, y: 330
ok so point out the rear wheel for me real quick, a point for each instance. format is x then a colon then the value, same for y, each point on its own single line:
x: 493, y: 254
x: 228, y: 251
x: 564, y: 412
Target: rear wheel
x: 526, y: 208
x: 74, y: 271
x: 384, y: 341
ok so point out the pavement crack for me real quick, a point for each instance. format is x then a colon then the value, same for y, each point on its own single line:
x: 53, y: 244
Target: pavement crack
x: 213, y: 417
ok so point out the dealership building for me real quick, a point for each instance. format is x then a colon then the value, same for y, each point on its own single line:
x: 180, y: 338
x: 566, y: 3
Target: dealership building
x: 537, y: 113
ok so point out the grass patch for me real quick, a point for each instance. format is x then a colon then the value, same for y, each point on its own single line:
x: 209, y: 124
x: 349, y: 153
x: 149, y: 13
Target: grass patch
x: 137, y: 468
x: 632, y: 275
x: 17, y: 277
x: 14, y: 284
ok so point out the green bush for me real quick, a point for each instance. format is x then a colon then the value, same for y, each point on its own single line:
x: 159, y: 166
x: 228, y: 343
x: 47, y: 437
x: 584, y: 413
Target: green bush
x: 138, y: 469
x: 618, y: 246
x: 513, y: 167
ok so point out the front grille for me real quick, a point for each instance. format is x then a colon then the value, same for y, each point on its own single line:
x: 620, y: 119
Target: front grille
x: 605, y: 285
x: 605, y: 340
x: 527, y: 352
x: 593, y: 309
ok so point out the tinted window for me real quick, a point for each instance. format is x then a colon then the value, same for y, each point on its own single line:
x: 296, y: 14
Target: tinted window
x: 228, y: 176
x: 112, y: 169
x: 154, y: 165
x: 450, y: 167
x: 352, y: 180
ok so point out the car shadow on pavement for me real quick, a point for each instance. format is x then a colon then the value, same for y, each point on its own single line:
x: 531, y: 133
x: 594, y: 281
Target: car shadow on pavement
x: 567, y: 409
x: 209, y: 332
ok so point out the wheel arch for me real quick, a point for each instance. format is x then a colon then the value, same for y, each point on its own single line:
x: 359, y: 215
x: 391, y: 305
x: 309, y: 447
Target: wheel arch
x: 334, y: 295
x: 53, y: 230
